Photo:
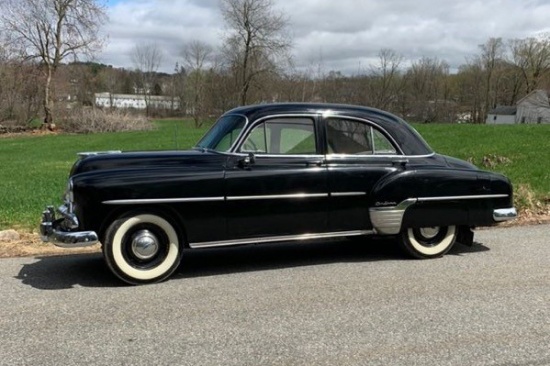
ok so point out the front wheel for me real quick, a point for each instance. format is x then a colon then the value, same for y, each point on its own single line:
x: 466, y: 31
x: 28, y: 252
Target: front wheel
x: 428, y: 242
x: 142, y: 248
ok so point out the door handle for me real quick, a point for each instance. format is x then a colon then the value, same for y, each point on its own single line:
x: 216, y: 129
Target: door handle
x: 247, y: 161
x: 400, y: 162
x: 315, y: 163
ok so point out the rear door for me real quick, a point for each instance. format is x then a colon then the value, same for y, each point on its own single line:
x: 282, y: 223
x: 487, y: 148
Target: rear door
x: 359, y: 154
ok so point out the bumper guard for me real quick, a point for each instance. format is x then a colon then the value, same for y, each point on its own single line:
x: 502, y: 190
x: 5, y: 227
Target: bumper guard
x: 57, y: 231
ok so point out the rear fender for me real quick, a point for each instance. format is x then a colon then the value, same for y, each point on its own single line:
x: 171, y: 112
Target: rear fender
x: 428, y: 197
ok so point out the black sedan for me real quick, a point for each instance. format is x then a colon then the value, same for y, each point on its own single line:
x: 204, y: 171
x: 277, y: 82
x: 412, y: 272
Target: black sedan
x: 274, y: 173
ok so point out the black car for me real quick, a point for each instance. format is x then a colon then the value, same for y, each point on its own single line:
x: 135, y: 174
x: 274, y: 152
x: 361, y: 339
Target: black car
x: 274, y: 173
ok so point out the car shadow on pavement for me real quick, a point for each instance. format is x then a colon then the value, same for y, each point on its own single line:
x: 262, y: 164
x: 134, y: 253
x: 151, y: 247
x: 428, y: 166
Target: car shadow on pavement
x: 67, y: 271
x: 219, y: 261
x: 89, y: 270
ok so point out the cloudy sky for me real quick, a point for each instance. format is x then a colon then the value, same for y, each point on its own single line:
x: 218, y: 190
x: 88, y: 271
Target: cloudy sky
x: 346, y: 35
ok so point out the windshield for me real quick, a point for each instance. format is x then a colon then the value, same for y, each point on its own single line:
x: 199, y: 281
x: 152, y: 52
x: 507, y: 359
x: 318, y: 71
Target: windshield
x: 223, y: 134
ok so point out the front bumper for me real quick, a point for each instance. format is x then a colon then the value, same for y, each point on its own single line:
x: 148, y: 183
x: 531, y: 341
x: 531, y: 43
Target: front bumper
x: 505, y: 214
x: 58, y: 231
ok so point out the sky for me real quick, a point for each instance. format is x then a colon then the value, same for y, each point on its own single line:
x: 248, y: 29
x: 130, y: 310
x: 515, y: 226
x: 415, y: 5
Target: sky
x: 340, y: 35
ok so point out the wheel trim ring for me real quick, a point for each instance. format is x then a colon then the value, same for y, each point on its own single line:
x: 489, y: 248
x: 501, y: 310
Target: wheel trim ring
x: 436, y: 249
x: 151, y: 273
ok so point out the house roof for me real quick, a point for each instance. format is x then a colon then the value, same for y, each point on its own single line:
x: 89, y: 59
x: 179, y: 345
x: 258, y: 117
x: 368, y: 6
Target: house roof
x: 538, y: 96
x: 504, y: 110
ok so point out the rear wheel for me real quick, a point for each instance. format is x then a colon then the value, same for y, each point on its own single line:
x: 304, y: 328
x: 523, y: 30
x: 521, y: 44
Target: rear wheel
x: 142, y: 248
x: 428, y: 242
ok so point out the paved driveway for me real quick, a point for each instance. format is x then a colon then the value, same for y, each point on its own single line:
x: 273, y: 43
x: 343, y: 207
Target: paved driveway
x: 324, y: 303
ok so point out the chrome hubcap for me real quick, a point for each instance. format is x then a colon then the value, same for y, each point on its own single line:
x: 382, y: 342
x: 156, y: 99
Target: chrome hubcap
x: 429, y: 232
x: 145, y: 244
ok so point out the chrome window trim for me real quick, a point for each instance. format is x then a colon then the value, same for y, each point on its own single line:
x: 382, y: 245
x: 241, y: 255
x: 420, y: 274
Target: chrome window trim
x: 250, y: 126
x: 278, y: 196
x: 260, y: 155
x: 246, y: 122
x: 327, y: 114
x: 273, y: 239
x: 395, y: 156
x: 386, y: 134
x: 162, y: 200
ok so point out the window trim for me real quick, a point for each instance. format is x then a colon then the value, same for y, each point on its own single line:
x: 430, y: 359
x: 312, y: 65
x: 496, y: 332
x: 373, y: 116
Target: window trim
x: 372, y: 125
x: 250, y: 127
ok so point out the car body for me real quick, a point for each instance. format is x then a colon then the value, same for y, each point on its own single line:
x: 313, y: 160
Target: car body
x: 271, y: 173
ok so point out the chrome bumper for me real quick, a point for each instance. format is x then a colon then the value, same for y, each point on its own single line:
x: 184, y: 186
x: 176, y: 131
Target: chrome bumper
x: 57, y: 231
x: 505, y: 214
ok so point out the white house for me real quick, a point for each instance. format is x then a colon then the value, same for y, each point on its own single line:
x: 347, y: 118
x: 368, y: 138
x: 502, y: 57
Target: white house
x: 136, y: 101
x: 533, y: 108
x: 503, y: 115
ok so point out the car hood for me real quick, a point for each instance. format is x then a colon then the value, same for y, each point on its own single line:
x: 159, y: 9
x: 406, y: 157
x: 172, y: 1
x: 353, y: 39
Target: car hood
x: 111, y: 160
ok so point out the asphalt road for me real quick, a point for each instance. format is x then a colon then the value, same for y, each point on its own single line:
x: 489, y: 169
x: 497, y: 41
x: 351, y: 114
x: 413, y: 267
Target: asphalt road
x: 325, y: 303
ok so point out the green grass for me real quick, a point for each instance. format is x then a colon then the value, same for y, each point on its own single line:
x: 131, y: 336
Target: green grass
x: 34, y: 169
x: 526, y: 147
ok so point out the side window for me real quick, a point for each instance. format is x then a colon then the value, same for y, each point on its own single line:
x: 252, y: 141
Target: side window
x: 382, y: 146
x: 291, y: 136
x: 354, y: 137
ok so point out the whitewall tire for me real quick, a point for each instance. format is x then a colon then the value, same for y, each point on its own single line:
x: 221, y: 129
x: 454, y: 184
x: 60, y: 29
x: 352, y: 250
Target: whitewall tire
x: 428, y: 242
x: 142, y: 248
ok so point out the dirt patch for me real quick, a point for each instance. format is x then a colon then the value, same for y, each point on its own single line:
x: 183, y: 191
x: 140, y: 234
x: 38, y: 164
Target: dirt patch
x: 30, y: 245
x: 33, y: 132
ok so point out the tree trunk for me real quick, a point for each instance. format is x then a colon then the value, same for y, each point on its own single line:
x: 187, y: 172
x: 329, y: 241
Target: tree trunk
x: 48, y: 102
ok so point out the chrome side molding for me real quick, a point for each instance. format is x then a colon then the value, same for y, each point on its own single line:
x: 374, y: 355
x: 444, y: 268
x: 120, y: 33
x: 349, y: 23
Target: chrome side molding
x: 273, y: 239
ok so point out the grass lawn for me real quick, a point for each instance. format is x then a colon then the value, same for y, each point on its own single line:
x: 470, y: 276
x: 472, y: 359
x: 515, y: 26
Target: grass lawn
x: 34, y: 169
x: 521, y: 152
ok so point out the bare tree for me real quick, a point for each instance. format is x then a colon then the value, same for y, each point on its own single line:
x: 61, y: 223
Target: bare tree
x: 50, y: 31
x: 147, y: 58
x: 492, y: 55
x: 428, y: 90
x: 470, y: 89
x: 197, y: 56
x: 256, y: 42
x: 532, y: 57
x: 177, y: 87
x: 386, y: 81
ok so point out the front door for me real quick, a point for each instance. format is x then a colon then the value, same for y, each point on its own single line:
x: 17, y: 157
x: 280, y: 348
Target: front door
x: 280, y: 188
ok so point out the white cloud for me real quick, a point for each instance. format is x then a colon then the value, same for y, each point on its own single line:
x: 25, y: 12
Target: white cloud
x: 344, y: 34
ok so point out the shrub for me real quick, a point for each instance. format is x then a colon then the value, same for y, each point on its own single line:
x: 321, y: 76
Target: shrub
x: 89, y: 120
x: 528, y: 203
